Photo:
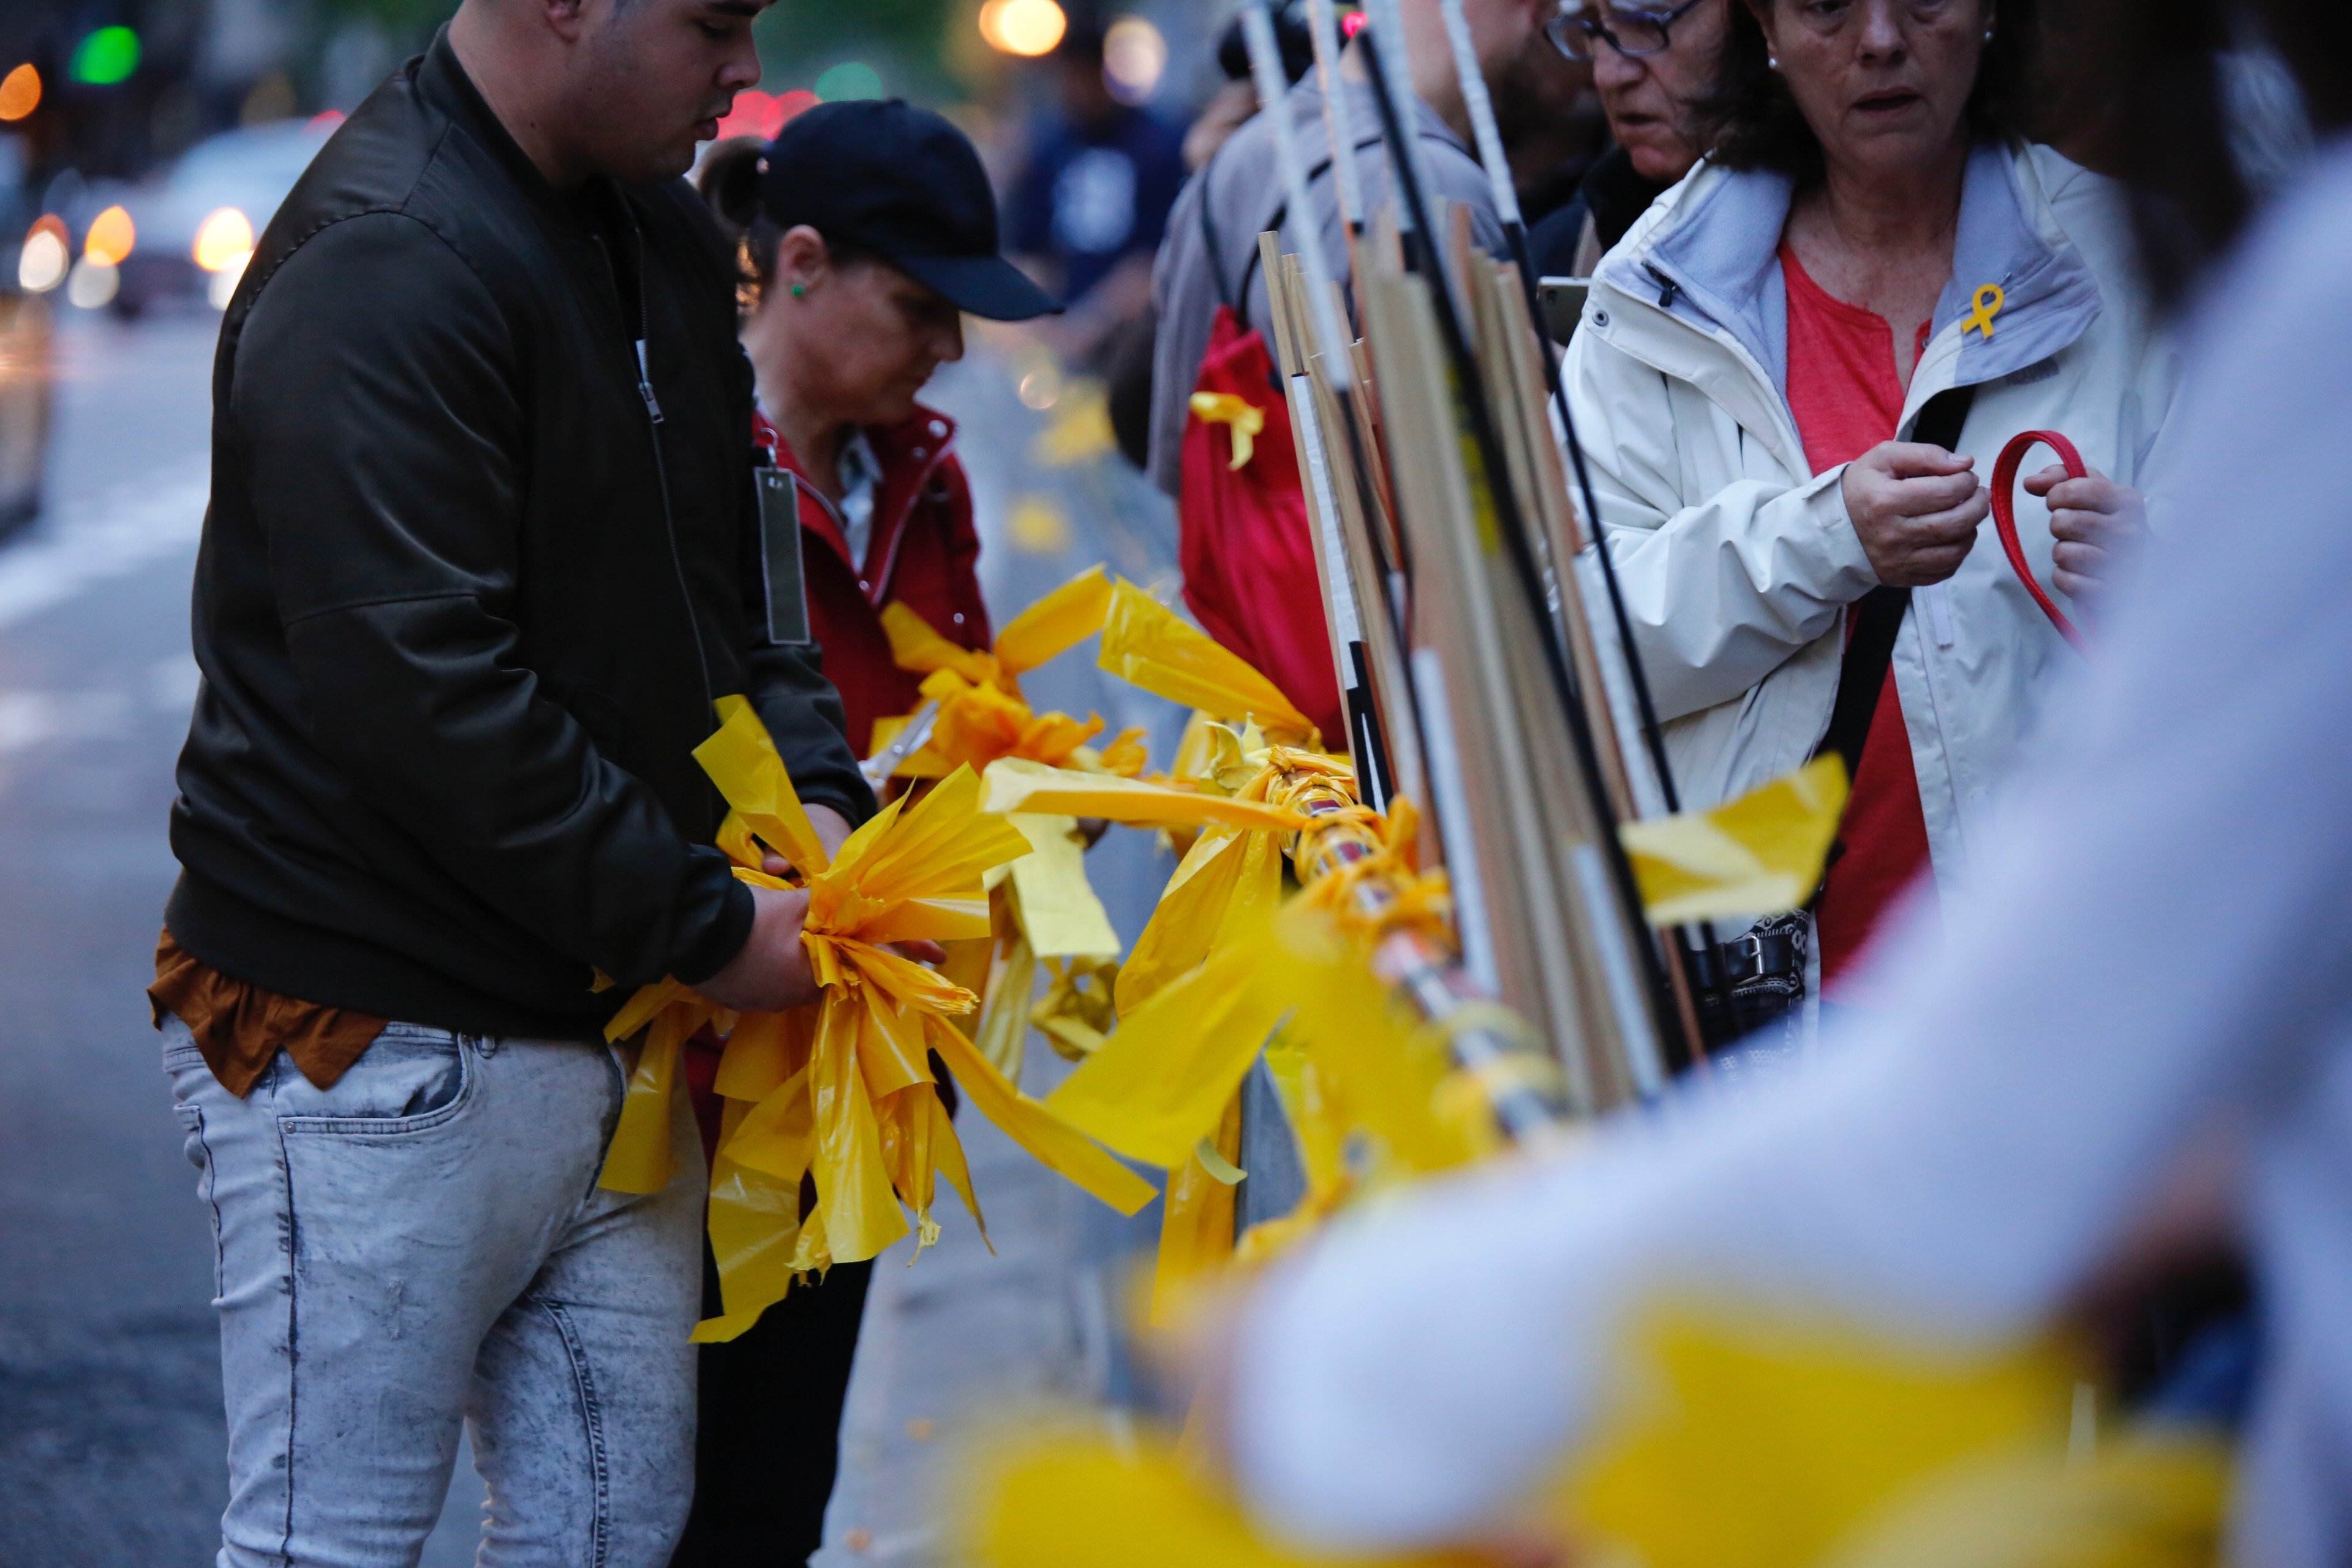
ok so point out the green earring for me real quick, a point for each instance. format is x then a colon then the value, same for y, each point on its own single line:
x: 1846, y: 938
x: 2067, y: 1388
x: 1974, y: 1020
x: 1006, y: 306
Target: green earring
x: 800, y: 291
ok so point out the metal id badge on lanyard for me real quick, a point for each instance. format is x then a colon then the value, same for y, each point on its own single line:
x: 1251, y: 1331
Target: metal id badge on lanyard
x: 784, y: 586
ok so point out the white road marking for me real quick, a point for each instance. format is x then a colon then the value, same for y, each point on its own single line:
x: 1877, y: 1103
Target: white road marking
x: 31, y: 719
x: 84, y: 545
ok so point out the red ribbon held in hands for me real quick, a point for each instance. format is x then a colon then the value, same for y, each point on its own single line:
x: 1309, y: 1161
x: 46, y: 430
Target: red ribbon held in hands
x: 2004, y: 515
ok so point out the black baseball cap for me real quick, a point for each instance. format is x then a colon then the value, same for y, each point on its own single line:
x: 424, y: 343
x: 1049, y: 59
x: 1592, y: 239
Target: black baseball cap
x: 901, y: 182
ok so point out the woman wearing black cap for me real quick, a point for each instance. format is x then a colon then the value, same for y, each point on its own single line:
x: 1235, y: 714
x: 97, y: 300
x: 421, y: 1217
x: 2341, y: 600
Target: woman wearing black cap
x: 868, y: 232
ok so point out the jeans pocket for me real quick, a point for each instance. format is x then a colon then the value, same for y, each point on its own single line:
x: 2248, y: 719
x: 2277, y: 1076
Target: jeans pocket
x: 200, y: 1155
x: 410, y: 1080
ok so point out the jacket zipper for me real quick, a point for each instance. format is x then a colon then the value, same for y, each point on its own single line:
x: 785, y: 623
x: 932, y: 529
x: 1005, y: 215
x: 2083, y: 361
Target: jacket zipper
x: 875, y: 585
x: 654, y: 421
x: 905, y: 515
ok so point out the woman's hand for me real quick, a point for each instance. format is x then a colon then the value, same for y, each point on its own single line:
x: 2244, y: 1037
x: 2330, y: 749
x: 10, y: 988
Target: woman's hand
x: 1915, y: 509
x: 2095, y: 522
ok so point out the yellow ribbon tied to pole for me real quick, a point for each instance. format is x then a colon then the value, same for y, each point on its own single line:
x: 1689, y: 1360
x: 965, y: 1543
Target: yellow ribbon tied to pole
x: 1244, y: 421
x: 1147, y: 645
x: 841, y: 1092
x: 981, y: 714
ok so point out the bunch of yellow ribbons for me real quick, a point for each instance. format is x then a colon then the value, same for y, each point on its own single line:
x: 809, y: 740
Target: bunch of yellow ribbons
x: 841, y: 1093
x: 980, y: 714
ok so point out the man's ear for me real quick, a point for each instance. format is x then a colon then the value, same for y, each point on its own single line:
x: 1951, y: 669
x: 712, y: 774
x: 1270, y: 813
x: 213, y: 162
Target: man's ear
x: 567, y: 19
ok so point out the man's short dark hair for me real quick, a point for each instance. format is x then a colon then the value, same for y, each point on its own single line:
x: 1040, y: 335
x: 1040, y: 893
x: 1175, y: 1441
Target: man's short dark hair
x: 1752, y: 120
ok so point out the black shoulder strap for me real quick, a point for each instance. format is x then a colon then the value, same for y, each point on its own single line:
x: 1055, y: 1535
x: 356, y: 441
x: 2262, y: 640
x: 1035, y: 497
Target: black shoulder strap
x: 1878, y: 619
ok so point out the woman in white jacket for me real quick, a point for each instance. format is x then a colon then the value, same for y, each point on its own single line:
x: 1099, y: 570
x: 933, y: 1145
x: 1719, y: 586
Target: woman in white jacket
x: 1768, y: 374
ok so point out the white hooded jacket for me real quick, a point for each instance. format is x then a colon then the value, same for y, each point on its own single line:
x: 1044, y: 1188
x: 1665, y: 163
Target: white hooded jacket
x: 1738, y: 562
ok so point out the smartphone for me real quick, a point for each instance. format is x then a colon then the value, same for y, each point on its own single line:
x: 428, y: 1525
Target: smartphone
x: 1563, y: 305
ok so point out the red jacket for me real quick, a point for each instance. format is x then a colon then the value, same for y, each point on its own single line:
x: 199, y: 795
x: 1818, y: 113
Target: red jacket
x: 923, y: 551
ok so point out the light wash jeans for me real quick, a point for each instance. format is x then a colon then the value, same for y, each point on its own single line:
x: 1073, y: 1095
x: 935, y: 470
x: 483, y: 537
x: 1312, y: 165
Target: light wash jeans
x: 423, y: 1247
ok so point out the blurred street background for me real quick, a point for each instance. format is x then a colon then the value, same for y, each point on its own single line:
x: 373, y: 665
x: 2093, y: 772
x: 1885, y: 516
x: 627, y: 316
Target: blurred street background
x: 143, y: 143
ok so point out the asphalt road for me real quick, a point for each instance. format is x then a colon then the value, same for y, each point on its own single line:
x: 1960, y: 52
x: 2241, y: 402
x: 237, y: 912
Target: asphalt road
x: 110, y: 1431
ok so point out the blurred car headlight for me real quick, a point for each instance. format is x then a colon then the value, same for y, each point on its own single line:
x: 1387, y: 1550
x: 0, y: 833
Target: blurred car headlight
x: 224, y: 241
x: 44, y: 261
x: 93, y: 283
x: 112, y: 237
x: 221, y: 287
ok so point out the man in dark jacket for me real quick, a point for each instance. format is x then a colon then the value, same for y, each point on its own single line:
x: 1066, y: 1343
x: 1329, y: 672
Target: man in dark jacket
x: 483, y: 550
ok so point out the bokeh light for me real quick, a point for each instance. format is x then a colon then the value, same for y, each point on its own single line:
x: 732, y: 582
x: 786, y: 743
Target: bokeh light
x: 1025, y: 28
x: 224, y: 241
x: 93, y: 284
x: 759, y: 114
x: 1135, y: 57
x: 107, y: 56
x: 20, y: 92
x: 849, y: 80
x: 41, y: 265
x: 223, y: 287
x: 110, y: 238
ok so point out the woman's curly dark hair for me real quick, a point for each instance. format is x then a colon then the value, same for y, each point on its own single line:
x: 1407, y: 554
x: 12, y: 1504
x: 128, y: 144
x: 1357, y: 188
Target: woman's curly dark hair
x: 1752, y: 120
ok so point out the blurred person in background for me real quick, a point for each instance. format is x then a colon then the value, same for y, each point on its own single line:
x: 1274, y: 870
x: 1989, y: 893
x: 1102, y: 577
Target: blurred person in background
x: 1791, y: 381
x: 1087, y: 209
x: 1653, y: 66
x: 1233, y: 105
x: 1561, y: 134
x: 870, y: 230
x: 481, y: 552
x: 1970, y: 1161
x: 1249, y: 569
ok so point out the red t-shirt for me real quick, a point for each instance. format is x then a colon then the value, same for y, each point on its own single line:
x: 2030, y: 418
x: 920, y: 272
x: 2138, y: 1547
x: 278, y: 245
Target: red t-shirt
x: 1847, y: 398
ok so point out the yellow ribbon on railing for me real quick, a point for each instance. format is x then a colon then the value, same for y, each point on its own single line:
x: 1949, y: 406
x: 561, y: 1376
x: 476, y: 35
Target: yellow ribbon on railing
x: 841, y: 1092
x: 1046, y: 629
x: 1244, y: 421
x: 982, y: 713
x: 1147, y: 645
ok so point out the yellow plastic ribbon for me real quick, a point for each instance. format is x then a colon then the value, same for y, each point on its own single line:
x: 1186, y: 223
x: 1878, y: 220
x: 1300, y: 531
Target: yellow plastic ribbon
x: 1145, y: 644
x: 1745, y: 1443
x: 1158, y: 1085
x: 1075, y: 1015
x: 1046, y: 629
x: 1760, y: 855
x: 1021, y: 785
x: 1244, y: 421
x: 1074, y: 1501
x: 1196, y: 1223
x: 1055, y: 904
x: 843, y: 1092
x: 982, y: 713
x: 1826, y: 1430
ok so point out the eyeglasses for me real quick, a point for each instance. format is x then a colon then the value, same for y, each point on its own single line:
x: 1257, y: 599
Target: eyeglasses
x: 1633, y: 31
